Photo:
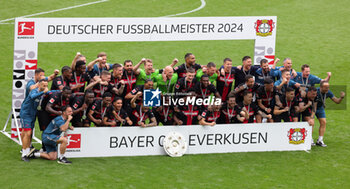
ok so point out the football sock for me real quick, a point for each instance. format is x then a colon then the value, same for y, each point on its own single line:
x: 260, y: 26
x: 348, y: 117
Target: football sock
x: 320, y: 138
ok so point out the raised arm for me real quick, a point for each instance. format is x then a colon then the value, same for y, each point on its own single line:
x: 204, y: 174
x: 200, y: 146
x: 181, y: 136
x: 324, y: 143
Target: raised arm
x: 75, y: 60
x: 338, y: 100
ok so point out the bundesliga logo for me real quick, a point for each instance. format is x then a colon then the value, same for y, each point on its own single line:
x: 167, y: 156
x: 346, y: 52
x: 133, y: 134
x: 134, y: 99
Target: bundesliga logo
x: 73, y: 140
x: 25, y: 28
x: 297, y: 135
x: 264, y: 28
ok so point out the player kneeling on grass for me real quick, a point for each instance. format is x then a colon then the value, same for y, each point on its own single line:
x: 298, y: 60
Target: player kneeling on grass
x: 52, y: 137
x: 210, y: 115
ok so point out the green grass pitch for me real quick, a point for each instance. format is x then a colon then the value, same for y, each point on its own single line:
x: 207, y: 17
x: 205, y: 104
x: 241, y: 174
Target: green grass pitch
x: 312, y: 32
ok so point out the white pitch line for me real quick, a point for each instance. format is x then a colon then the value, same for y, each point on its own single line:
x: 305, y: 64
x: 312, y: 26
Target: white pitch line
x: 46, y: 12
x: 191, y: 11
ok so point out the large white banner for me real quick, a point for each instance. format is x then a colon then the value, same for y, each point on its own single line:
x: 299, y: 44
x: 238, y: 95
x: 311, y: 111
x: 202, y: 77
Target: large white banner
x: 31, y: 31
x: 137, y: 141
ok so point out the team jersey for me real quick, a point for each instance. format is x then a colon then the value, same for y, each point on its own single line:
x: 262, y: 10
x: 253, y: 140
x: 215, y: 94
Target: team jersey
x: 29, y: 84
x: 138, y: 116
x: 97, y: 71
x: 240, y: 74
x: 59, y: 81
x: 99, y: 89
x: 252, y: 110
x: 212, y: 78
x: 99, y: 109
x: 79, y: 80
x: 291, y: 84
x: 111, y: 117
x: 260, y: 76
x: 188, y: 114
x: 135, y: 91
x: 291, y: 104
x: 224, y: 83
x: 77, y: 103
x: 30, y: 104
x: 267, y: 98
x: 308, y: 111
x: 182, y: 69
x: 277, y: 73
x: 321, y: 98
x: 58, y: 102
x: 209, y: 116
x: 204, y: 92
x: 166, y: 86
x: 239, y: 95
x: 182, y: 86
x: 164, y: 115
x: 130, y: 82
x: 141, y: 78
x: 229, y: 115
x: 54, y: 126
x: 307, y: 82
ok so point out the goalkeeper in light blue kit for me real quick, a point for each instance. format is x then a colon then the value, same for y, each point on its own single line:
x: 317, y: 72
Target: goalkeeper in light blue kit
x: 28, y: 115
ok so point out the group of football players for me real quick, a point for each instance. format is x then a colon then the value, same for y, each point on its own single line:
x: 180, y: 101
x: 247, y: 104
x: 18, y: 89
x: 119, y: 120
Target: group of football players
x: 112, y: 94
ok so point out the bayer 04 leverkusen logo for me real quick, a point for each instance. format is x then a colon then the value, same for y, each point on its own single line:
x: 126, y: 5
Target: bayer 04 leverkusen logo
x: 264, y: 28
x: 297, y: 135
x: 151, y: 97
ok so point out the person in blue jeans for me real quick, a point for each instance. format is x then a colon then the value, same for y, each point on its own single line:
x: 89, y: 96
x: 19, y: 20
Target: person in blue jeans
x: 323, y: 93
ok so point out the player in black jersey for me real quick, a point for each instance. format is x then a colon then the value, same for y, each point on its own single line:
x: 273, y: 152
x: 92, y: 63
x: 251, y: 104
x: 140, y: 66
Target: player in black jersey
x: 190, y: 62
x: 116, y: 115
x: 81, y: 106
x: 288, y: 109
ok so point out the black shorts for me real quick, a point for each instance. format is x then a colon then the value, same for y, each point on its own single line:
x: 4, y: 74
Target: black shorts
x: 284, y: 116
x: 307, y: 112
x: 44, y: 119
